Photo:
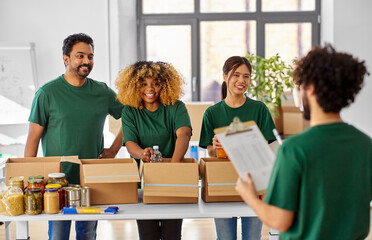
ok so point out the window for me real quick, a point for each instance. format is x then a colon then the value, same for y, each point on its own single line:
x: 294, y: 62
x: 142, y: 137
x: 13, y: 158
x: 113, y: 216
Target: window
x: 197, y: 36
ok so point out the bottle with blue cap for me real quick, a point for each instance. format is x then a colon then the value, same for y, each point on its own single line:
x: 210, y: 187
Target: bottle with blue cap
x: 156, y: 157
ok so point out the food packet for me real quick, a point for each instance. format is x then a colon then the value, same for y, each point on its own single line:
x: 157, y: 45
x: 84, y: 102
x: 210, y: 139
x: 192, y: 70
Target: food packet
x: 3, y: 190
x: 13, y: 201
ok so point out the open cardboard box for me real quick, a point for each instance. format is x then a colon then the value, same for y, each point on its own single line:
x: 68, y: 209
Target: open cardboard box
x: 293, y: 121
x: 218, y: 180
x: 167, y: 182
x: 35, y: 166
x: 111, y: 181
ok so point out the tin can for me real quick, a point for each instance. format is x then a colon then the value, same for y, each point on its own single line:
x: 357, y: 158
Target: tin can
x: 85, y: 197
x: 72, y: 196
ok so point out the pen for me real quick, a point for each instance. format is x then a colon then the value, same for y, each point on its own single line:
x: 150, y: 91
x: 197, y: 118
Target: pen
x: 277, y: 136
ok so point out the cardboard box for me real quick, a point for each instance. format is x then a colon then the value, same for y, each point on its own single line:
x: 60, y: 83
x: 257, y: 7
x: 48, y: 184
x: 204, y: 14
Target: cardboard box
x: 35, y: 166
x: 167, y: 182
x: 293, y: 121
x: 218, y: 180
x: 111, y: 181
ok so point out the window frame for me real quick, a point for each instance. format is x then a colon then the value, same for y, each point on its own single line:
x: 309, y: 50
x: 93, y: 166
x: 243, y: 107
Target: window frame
x: 194, y: 20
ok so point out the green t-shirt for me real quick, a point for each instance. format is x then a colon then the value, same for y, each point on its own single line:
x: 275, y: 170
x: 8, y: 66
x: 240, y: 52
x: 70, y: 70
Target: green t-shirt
x: 324, y: 176
x: 73, y: 118
x: 220, y: 115
x: 155, y: 128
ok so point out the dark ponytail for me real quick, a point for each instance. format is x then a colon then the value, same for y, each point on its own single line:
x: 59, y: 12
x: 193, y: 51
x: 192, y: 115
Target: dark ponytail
x: 231, y: 64
x: 223, y: 90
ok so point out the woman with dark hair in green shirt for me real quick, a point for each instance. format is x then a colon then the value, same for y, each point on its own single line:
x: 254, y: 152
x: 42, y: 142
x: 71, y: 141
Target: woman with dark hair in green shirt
x: 236, y: 74
x: 153, y: 115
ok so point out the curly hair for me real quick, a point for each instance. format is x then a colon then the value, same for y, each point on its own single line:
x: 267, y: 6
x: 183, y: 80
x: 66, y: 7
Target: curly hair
x: 337, y: 77
x: 130, y: 79
x: 73, y: 39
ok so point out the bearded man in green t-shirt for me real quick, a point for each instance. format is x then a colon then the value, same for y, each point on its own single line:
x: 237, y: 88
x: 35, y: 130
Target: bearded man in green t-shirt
x: 321, y: 184
x: 68, y: 114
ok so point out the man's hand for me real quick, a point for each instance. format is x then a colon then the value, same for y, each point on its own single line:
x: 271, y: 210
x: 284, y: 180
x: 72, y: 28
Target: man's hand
x: 108, y: 153
x: 246, y: 189
x: 146, y: 154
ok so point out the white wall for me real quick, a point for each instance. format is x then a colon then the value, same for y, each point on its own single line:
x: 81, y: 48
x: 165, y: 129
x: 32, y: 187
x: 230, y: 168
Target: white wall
x: 47, y: 23
x: 347, y: 24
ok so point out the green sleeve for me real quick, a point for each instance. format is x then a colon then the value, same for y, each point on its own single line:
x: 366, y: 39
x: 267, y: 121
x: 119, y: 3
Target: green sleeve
x: 129, y: 124
x: 115, y: 107
x: 285, y: 182
x: 266, y: 124
x: 39, y: 108
x: 206, y: 132
x: 182, y: 118
x: 370, y: 164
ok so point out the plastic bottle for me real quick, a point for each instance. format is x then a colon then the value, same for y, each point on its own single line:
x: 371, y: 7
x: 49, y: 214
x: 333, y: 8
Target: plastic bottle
x: 156, y: 157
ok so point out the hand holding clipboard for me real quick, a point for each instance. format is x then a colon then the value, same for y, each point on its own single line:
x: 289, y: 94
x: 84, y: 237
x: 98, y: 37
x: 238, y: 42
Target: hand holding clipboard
x: 248, y: 150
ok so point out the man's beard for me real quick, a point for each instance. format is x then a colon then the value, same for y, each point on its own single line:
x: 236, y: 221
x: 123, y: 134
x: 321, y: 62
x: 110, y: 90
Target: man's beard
x: 305, y: 103
x: 83, y: 73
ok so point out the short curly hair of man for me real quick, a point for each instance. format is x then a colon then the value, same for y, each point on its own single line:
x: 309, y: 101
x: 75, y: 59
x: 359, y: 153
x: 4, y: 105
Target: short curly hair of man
x: 337, y: 77
x: 73, y: 39
x: 130, y: 79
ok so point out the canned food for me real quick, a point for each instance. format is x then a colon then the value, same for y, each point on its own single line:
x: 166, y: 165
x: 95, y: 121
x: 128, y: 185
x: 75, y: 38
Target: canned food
x: 36, y: 183
x: 75, y: 203
x: 36, y: 177
x: 85, y: 197
x: 51, y: 201
x: 33, y: 201
x: 72, y: 196
x: 60, y: 193
x: 57, y: 178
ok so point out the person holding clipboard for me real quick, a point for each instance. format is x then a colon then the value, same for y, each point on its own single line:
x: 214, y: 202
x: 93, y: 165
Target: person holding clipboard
x: 236, y: 74
x: 321, y: 183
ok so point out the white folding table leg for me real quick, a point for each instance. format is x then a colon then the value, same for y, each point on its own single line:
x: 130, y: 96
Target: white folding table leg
x: 273, y: 234
x: 7, y: 230
x: 22, y: 230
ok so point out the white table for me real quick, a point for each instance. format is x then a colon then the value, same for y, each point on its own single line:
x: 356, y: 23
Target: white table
x: 140, y: 211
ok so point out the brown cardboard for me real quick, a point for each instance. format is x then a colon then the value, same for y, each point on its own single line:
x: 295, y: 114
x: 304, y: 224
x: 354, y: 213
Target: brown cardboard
x: 34, y: 166
x: 218, y: 180
x: 167, y: 182
x: 111, y: 181
x: 196, y: 111
x: 293, y: 121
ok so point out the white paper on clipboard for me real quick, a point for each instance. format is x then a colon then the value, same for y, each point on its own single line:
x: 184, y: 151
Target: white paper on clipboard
x: 249, y: 151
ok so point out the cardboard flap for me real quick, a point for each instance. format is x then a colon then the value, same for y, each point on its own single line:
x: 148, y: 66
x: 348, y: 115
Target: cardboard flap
x: 221, y: 172
x: 171, y: 191
x: 31, y: 166
x: 227, y: 189
x: 204, y: 161
x: 72, y: 159
x: 110, y: 172
x: 171, y: 173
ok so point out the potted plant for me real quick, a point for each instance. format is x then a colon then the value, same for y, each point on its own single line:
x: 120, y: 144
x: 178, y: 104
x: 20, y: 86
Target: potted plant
x: 270, y: 78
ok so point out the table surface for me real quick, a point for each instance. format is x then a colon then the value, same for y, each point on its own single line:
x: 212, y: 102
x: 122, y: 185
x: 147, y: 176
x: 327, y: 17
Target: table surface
x: 151, y: 211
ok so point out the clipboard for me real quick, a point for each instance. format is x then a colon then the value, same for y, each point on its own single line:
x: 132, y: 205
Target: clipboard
x: 248, y: 150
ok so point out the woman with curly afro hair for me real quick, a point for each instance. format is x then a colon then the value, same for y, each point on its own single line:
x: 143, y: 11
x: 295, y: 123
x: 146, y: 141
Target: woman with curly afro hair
x: 154, y: 115
x: 321, y: 183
